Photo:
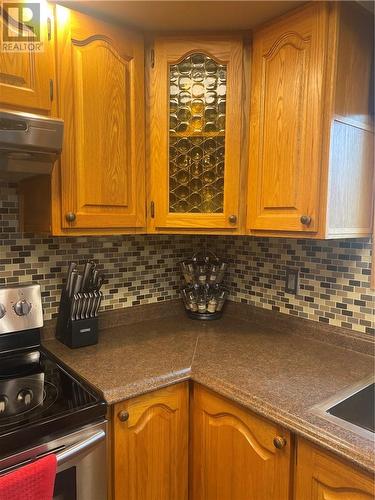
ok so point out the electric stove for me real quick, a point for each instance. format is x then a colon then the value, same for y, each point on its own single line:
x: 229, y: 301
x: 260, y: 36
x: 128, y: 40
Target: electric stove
x: 39, y: 397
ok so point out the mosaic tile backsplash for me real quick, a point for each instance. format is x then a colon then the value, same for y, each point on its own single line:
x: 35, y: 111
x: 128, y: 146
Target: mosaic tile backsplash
x: 334, y: 284
x: 334, y: 275
x: 138, y: 269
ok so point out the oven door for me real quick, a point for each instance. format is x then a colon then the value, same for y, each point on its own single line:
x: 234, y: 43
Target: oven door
x: 81, y: 463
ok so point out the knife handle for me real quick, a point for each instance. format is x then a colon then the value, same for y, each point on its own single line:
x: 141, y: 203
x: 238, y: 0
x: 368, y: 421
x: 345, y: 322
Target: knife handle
x: 73, y: 308
x: 95, y: 274
x: 97, y: 305
x: 77, y: 284
x: 99, y: 281
x: 72, y: 266
x: 72, y: 281
x: 86, y: 275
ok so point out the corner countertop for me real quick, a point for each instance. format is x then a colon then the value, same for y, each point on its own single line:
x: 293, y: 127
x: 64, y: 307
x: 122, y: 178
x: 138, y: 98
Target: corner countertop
x: 263, y: 365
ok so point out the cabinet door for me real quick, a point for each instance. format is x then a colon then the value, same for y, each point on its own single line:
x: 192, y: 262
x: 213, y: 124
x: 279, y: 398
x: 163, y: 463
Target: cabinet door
x: 26, y: 76
x: 234, y: 453
x: 195, y: 132
x: 101, y: 97
x: 319, y: 476
x: 151, y: 446
x: 288, y: 70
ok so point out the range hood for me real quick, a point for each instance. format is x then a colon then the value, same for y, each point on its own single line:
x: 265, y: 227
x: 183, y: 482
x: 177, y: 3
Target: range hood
x: 29, y: 144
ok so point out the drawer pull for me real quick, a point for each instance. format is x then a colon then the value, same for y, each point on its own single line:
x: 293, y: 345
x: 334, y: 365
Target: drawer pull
x: 123, y: 415
x: 305, y: 220
x: 279, y: 442
x: 70, y: 216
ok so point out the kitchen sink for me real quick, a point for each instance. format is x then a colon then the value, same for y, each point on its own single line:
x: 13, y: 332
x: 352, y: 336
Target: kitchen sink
x: 352, y: 408
x: 357, y: 409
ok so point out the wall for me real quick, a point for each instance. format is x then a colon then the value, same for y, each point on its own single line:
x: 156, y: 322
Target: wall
x: 334, y: 275
x: 334, y: 278
x: 138, y: 269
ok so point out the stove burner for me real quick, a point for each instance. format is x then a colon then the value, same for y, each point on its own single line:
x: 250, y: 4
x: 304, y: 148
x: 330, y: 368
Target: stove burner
x: 49, y: 396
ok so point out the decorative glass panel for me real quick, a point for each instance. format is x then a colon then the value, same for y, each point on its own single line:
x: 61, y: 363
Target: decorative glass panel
x: 197, y: 135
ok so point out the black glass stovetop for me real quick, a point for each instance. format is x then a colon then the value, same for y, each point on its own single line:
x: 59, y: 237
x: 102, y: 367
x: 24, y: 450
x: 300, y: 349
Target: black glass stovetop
x: 39, y: 399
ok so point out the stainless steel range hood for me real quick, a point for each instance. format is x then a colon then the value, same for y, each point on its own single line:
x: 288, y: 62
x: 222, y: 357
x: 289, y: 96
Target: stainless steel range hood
x: 29, y: 144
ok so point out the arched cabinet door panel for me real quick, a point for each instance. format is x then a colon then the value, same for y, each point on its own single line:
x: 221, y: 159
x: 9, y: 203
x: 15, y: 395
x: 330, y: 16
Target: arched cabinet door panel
x: 151, y: 446
x: 101, y: 101
x: 288, y: 74
x: 234, y: 452
x: 320, y: 476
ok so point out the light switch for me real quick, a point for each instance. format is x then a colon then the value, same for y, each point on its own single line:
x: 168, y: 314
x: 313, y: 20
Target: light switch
x: 291, y: 281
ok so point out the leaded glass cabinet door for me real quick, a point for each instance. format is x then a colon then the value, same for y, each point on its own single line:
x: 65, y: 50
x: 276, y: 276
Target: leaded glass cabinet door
x: 195, y: 132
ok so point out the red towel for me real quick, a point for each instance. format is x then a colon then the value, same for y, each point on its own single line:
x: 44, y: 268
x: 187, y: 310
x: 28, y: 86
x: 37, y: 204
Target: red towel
x: 33, y: 481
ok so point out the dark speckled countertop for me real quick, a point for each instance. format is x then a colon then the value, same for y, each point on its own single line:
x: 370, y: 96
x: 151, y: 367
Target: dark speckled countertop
x: 262, y: 362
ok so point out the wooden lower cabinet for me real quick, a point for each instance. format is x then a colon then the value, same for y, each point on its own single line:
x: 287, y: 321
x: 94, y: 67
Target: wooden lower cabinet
x: 150, y: 446
x: 234, y: 455
x: 320, y: 476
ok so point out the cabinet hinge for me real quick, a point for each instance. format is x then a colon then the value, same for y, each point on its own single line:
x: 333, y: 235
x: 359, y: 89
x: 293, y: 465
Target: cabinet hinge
x: 152, y: 58
x: 49, y: 29
x: 51, y: 90
x: 152, y: 210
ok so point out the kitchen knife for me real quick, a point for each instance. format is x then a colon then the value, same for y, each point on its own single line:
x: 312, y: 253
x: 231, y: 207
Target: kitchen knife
x: 79, y: 305
x: 95, y: 274
x: 77, y: 284
x: 72, y: 280
x: 72, y: 266
x: 74, y: 307
x: 86, y: 276
x: 85, y: 305
x: 99, y: 299
x: 99, y: 281
x: 93, y: 303
x: 89, y: 304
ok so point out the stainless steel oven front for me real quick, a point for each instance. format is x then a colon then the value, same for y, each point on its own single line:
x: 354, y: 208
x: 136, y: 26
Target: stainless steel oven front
x: 81, y: 462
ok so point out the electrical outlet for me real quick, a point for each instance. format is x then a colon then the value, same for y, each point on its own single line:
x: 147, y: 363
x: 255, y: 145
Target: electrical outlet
x: 292, y: 281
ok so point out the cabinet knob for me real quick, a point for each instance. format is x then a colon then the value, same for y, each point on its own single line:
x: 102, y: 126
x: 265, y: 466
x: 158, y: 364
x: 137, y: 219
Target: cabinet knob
x: 123, y: 415
x: 305, y: 220
x: 279, y: 442
x: 70, y: 216
x: 232, y: 219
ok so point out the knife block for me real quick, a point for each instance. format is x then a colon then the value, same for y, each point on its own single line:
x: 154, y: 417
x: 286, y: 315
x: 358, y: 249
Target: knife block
x: 75, y: 333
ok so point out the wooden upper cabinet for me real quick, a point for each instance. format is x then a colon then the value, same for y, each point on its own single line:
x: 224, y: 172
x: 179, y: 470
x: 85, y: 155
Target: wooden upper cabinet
x: 27, y: 78
x: 286, y: 120
x: 101, y: 99
x: 350, y: 156
x: 234, y: 452
x: 150, y: 451
x: 320, y: 476
x: 311, y: 132
x: 195, y: 132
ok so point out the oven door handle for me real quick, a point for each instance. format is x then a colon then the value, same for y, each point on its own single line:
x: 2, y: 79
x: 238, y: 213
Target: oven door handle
x: 79, y: 447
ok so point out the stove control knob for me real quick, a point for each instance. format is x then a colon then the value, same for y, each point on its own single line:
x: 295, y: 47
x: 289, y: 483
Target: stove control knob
x: 25, y: 396
x: 22, y: 307
x: 3, y: 404
x: 2, y: 314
